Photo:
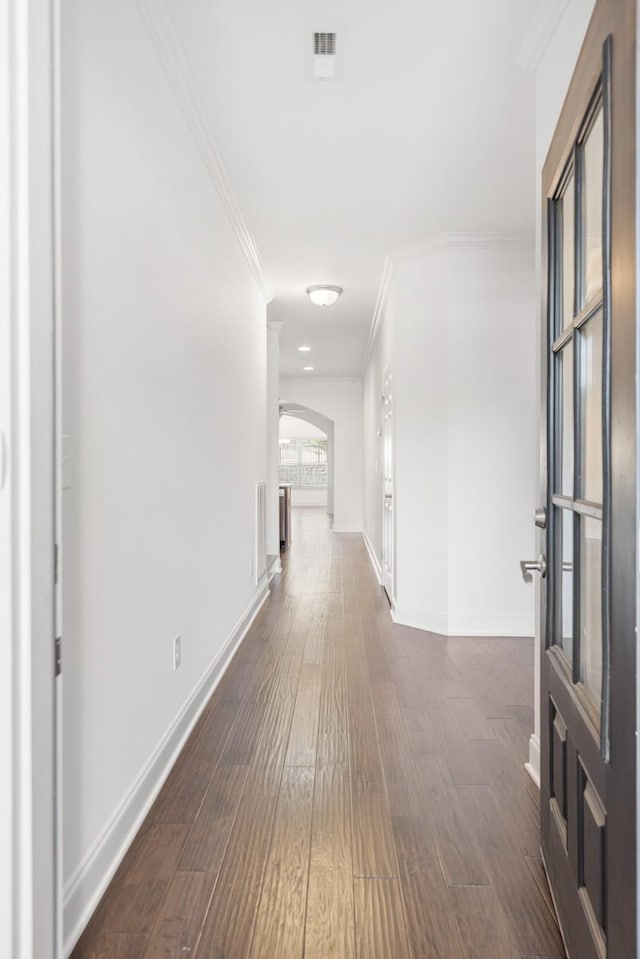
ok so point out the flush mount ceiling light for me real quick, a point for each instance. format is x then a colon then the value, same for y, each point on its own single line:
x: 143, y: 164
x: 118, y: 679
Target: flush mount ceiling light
x: 323, y: 294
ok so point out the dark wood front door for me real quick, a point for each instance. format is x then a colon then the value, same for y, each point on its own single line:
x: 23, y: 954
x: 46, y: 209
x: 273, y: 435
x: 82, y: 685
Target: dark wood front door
x: 588, y: 673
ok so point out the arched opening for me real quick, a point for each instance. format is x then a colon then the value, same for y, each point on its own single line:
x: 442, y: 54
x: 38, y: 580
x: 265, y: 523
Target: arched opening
x: 309, y: 466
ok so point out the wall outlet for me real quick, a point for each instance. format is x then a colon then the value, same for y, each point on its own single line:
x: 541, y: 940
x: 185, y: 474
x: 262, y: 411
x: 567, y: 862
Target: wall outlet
x: 177, y: 652
x: 251, y: 568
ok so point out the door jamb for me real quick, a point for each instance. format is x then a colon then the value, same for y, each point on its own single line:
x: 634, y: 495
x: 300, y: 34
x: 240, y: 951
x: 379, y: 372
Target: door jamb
x: 29, y: 429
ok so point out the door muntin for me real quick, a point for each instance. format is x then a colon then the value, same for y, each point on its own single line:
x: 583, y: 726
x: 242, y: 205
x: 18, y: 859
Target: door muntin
x: 578, y: 398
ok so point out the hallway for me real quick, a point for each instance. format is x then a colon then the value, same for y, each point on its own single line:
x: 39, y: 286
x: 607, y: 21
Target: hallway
x: 353, y: 788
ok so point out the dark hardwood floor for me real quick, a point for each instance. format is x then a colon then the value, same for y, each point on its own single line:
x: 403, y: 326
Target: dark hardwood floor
x: 353, y: 789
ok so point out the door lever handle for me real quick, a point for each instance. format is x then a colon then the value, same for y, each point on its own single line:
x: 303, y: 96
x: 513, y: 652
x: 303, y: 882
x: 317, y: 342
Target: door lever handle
x: 529, y: 566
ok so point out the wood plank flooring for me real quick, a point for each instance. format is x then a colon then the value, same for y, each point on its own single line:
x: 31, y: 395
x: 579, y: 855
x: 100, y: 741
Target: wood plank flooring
x: 353, y: 789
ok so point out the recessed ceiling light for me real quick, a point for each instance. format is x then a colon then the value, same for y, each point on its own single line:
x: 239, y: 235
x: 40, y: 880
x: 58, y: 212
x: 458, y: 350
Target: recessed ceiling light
x: 323, y: 294
x: 308, y: 369
x: 304, y: 349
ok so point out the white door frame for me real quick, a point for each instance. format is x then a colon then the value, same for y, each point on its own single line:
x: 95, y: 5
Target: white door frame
x: 27, y: 746
x: 388, y: 564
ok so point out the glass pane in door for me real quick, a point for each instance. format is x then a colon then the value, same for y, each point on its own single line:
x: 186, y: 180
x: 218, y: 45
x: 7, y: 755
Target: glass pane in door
x: 566, y: 579
x: 568, y: 252
x: 591, y: 609
x: 591, y: 412
x: 592, y: 208
x: 566, y: 441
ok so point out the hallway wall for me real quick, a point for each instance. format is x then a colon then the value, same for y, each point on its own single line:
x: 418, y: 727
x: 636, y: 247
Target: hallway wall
x: 164, y: 406
x: 341, y: 401
x: 459, y: 331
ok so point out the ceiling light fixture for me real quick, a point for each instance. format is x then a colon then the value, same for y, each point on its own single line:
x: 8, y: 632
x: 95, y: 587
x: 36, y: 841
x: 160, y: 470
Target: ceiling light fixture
x: 303, y: 349
x: 323, y: 294
x: 308, y: 369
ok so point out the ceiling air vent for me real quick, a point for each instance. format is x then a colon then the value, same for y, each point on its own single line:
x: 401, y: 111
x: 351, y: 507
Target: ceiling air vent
x: 324, y: 56
x: 324, y: 44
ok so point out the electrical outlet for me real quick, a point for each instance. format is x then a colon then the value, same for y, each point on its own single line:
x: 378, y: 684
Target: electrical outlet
x: 251, y: 568
x: 177, y: 652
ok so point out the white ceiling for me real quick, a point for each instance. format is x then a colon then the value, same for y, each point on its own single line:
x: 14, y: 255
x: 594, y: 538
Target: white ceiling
x: 430, y: 130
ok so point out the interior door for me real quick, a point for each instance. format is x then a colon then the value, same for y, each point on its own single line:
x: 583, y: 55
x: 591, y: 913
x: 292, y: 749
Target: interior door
x: 588, y: 669
x: 387, y: 486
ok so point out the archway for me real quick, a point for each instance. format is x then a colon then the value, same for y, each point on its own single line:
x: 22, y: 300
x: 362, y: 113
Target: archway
x: 326, y: 426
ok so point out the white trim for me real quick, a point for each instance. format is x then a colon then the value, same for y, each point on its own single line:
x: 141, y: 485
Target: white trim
x: 441, y: 242
x: 533, y: 766
x: 452, y: 625
x: 541, y: 29
x: 425, y: 619
x: 160, y: 26
x: 372, y: 556
x: 31, y: 475
x: 386, y: 282
x: 88, y: 883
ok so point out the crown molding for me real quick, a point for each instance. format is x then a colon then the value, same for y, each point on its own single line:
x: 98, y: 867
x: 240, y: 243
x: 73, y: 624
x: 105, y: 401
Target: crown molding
x: 541, y: 29
x: 431, y: 245
x: 441, y: 242
x: 161, y: 30
x: 384, y: 288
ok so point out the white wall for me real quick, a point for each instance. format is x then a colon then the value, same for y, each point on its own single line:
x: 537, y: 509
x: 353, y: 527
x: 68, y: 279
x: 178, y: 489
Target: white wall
x: 295, y: 428
x: 164, y: 403
x: 493, y: 400
x: 458, y: 330
x: 341, y: 401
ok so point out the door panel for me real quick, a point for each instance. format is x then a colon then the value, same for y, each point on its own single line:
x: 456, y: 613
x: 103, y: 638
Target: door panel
x: 588, y: 796
x: 387, y: 487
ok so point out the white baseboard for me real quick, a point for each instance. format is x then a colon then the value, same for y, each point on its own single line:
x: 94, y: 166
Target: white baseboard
x: 419, y: 619
x: 372, y: 556
x: 452, y: 625
x: 533, y: 766
x: 88, y: 883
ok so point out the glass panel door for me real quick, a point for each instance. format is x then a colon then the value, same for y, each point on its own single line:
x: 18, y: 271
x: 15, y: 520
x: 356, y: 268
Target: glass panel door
x: 588, y: 537
x: 578, y: 382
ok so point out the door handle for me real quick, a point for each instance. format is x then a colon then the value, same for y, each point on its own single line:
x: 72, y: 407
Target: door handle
x: 529, y: 566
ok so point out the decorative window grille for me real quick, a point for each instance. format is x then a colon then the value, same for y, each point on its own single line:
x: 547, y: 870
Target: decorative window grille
x: 303, y: 463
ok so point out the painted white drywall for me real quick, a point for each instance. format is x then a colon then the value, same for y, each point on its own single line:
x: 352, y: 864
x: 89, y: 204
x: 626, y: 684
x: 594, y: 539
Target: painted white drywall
x: 295, y: 428
x: 458, y: 331
x: 493, y: 398
x: 341, y: 401
x: 164, y: 403
x: 420, y: 412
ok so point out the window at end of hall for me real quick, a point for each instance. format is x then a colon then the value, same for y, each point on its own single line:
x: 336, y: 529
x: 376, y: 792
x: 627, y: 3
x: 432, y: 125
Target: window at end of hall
x: 303, y: 463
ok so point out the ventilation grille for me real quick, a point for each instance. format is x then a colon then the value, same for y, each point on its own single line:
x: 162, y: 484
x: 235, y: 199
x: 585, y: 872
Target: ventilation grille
x: 324, y: 44
x: 261, y: 532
